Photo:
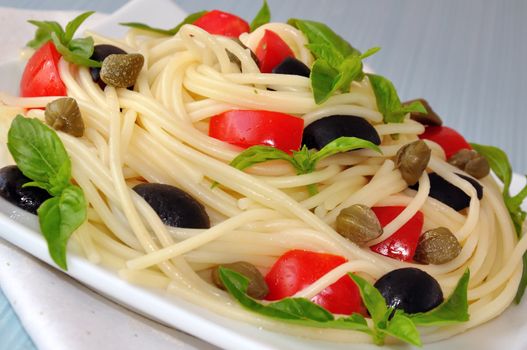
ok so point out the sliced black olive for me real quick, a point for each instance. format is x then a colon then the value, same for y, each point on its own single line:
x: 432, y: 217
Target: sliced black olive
x: 323, y: 131
x: 291, y: 65
x: 100, y: 52
x: 27, y: 198
x: 445, y: 192
x: 410, y: 289
x: 174, y: 206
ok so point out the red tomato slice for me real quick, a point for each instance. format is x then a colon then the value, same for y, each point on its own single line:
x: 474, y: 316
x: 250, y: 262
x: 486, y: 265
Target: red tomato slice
x: 271, y: 51
x: 449, y: 139
x: 298, y: 269
x: 222, y: 23
x: 247, y: 128
x: 41, y: 76
x: 402, y: 244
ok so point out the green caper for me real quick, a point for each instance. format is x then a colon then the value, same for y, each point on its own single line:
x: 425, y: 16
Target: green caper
x: 412, y: 159
x: 428, y: 118
x: 461, y: 158
x: 359, y: 224
x: 63, y: 114
x: 478, y: 167
x: 473, y: 163
x: 257, y: 288
x: 121, y: 70
x: 437, y: 246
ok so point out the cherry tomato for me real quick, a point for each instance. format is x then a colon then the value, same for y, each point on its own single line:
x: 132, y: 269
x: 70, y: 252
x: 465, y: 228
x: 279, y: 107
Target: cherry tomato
x: 449, y: 139
x: 247, y: 128
x: 41, y: 76
x: 271, y: 51
x: 297, y: 269
x: 402, y: 244
x: 222, y: 23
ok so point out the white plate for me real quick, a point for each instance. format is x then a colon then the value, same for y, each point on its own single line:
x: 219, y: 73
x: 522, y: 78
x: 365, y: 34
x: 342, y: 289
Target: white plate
x: 509, y: 331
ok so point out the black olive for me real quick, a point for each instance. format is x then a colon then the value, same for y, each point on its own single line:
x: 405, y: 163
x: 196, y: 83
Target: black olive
x: 174, y: 206
x: 410, y: 289
x: 323, y: 131
x: 445, y: 192
x: 100, y: 52
x: 291, y: 65
x: 27, y: 198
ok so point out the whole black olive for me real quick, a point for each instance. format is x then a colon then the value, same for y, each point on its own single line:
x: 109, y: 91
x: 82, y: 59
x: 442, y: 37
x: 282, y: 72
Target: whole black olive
x: 445, y: 192
x: 291, y: 65
x: 323, y: 131
x: 27, y: 198
x: 174, y: 206
x: 100, y: 52
x: 410, y: 289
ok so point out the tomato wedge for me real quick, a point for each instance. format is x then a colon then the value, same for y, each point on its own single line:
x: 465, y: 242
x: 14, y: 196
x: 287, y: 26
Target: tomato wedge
x: 297, y: 269
x: 222, y: 23
x: 449, y: 139
x: 271, y: 51
x: 247, y: 128
x: 402, y: 244
x: 41, y: 76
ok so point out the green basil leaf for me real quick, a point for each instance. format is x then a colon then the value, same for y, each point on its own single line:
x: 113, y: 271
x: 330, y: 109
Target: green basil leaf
x: 319, y: 33
x: 303, y: 308
x: 82, y: 47
x: 170, y: 32
x: 370, y: 52
x: 344, y: 144
x: 401, y: 327
x: 258, y: 154
x: 414, y: 107
x: 451, y: 311
x: 372, y: 298
x: 39, y: 154
x: 388, y: 101
x: 59, y: 217
x: 327, y: 52
x: 523, y: 281
x: 43, y: 33
x: 292, y: 310
x: 499, y: 163
x: 303, y: 160
x: 323, y: 80
x: 262, y: 17
x: 73, y: 25
x: 71, y: 56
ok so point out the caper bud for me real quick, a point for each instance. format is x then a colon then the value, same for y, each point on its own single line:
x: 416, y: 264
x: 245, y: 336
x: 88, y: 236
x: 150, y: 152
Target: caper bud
x: 461, y: 158
x: 412, y: 159
x: 437, y: 246
x: 121, y: 70
x: 63, y: 114
x: 429, y: 118
x: 257, y: 288
x: 473, y: 163
x: 478, y: 167
x: 359, y: 224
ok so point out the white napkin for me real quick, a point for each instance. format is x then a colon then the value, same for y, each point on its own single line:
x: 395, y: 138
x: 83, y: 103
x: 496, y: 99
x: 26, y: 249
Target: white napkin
x: 56, y: 311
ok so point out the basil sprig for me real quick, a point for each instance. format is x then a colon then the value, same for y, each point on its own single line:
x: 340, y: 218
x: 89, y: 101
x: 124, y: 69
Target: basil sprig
x: 262, y: 17
x: 385, y: 320
x: 337, y: 63
x: 305, y: 160
x: 388, y: 102
x: 170, y: 32
x: 41, y: 156
x: 77, y: 51
x: 501, y: 166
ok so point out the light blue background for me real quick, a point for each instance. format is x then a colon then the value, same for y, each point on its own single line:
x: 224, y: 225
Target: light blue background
x: 466, y: 57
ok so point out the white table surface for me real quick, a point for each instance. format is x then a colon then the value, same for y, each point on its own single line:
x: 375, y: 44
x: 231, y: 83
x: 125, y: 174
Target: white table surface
x: 465, y: 57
